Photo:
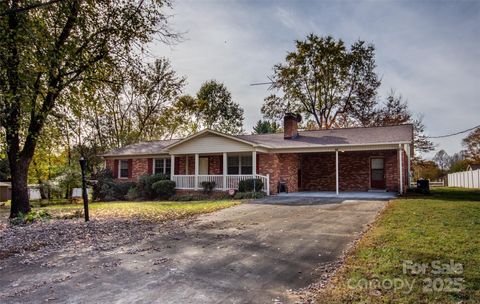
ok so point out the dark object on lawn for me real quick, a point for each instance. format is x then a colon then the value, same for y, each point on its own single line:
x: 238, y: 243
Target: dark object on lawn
x: 282, y: 187
x: 208, y: 187
x: 83, y: 165
x: 423, y: 186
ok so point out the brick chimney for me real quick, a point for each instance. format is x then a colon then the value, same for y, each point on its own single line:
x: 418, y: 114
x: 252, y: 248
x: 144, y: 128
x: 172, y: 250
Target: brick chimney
x: 290, y: 125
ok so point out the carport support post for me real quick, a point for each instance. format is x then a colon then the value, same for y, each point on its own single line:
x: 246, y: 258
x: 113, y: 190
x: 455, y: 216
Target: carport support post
x: 225, y: 165
x: 336, y: 170
x: 197, y: 164
x: 400, y: 157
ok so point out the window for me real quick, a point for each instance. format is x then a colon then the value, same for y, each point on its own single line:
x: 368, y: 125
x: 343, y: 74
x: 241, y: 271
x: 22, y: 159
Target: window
x: 163, y: 166
x: 239, y: 164
x: 246, y: 164
x: 233, y: 165
x: 123, y: 168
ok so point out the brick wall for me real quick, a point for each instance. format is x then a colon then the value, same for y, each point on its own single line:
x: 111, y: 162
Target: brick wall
x: 281, y: 167
x: 139, y: 168
x: 215, y: 165
x: 318, y: 170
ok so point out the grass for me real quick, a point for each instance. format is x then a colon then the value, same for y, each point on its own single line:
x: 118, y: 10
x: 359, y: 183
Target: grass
x: 441, y: 227
x: 153, y: 210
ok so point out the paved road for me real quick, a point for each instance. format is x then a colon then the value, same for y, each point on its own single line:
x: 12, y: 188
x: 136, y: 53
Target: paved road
x: 252, y: 253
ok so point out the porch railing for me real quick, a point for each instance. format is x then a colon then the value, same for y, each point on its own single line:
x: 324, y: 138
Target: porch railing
x: 221, y: 182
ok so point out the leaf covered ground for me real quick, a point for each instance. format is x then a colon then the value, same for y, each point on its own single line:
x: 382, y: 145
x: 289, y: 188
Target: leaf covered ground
x: 112, y: 224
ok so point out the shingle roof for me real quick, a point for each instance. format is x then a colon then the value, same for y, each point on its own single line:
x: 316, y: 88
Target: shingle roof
x: 142, y: 148
x: 475, y: 166
x: 306, y: 139
x: 346, y: 136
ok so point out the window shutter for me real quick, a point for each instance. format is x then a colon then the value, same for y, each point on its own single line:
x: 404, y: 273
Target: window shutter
x: 130, y: 168
x: 115, y: 168
x: 258, y: 164
x: 150, y: 166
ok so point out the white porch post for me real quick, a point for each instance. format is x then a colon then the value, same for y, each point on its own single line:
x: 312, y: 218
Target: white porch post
x: 172, y: 165
x: 225, y: 164
x: 254, y: 163
x: 336, y: 170
x: 197, y: 161
x: 409, y: 170
x: 400, y: 157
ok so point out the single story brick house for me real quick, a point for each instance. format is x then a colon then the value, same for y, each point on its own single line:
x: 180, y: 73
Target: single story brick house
x: 349, y: 159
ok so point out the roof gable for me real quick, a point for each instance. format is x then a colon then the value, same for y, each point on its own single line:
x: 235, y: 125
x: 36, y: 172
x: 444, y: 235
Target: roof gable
x: 208, y: 141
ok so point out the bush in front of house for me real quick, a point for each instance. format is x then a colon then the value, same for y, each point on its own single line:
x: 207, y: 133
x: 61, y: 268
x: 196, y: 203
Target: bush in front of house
x: 250, y: 185
x: 249, y: 195
x: 208, y: 187
x: 164, y: 188
x: 107, y: 189
x: 145, y: 185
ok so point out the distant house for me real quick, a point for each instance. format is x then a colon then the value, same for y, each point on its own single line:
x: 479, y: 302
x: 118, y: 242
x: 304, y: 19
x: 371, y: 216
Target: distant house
x: 472, y: 167
x: 349, y: 159
x: 5, y: 191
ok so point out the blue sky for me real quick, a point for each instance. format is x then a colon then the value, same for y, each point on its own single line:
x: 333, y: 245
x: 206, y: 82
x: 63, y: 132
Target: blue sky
x: 428, y: 51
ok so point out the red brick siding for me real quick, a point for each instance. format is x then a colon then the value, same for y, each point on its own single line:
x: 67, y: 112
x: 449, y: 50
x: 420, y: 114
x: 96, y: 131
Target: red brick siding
x: 215, y: 165
x: 318, y: 170
x: 180, y: 165
x: 281, y: 168
x: 268, y: 164
x: 138, y: 167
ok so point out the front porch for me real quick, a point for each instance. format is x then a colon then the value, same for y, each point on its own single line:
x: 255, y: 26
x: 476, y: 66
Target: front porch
x: 226, y: 170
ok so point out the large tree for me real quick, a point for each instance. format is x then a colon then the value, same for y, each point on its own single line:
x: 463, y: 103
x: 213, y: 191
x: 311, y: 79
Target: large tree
x: 217, y: 110
x: 472, y: 145
x: 335, y: 87
x: 47, y: 51
x: 443, y: 160
x: 323, y: 79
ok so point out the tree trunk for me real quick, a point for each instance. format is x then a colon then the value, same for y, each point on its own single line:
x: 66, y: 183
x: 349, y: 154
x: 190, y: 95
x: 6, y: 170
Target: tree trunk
x: 20, y: 200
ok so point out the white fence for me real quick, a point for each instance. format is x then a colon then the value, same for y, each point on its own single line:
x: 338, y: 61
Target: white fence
x: 432, y: 184
x: 465, y: 179
x: 231, y: 181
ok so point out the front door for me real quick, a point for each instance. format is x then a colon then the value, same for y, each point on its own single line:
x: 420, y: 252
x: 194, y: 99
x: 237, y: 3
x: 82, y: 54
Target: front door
x: 377, y: 173
x: 203, y: 166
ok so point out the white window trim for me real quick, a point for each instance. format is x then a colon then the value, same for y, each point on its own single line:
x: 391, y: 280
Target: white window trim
x: 120, y: 169
x: 164, y: 159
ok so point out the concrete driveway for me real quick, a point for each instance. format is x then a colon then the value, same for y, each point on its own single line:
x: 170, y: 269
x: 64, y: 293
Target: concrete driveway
x: 251, y: 253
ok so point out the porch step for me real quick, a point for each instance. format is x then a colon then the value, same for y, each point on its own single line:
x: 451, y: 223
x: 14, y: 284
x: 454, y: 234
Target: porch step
x: 377, y: 190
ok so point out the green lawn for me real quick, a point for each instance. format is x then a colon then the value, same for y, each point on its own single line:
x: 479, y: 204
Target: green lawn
x: 442, y: 227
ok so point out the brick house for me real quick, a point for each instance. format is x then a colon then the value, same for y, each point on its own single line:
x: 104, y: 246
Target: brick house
x: 349, y: 159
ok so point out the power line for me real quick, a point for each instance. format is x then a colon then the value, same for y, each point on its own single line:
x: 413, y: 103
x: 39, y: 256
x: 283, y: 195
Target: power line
x: 456, y: 133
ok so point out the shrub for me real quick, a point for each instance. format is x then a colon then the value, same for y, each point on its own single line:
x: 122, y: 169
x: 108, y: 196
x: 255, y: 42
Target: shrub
x: 164, y: 188
x: 250, y: 185
x: 100, y: 188
x: 249, y: 195
x: 145, y: 185
x: 208, y: 187
x: 132, y: 194
x: 30, y: 217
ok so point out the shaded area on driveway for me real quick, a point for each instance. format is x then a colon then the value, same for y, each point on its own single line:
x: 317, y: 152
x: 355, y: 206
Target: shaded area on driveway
x: 252, y: 253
